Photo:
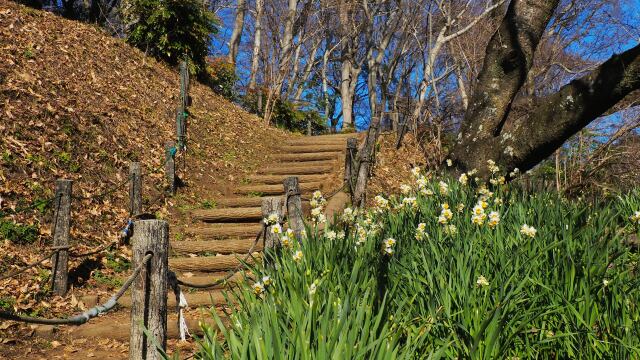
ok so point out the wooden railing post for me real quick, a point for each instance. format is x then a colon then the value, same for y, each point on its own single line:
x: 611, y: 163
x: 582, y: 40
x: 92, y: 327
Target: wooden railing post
x: 350, y: 156
x: 170, y: 165
x: 271, y: 205
x: 135, y: 189
x: 149, y: 290
x: 61, y: 228
x: 294, y: 206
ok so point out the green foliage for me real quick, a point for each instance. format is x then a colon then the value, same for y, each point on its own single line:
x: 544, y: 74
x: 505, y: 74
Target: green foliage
x: 6, y: 303
x: 18, y: 233
x: 221, y: 77
x: 209, y: 204
x: 117, y: 263
x: 168, y: 29
x: 104, y: 279
x: 569, y: 290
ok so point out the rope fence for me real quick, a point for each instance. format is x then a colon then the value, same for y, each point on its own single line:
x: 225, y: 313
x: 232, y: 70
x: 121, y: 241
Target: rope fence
x: 87, y: 315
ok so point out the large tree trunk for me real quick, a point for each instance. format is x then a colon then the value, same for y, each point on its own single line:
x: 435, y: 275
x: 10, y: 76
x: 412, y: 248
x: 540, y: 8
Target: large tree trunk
x: 349, y: 77
x: 236, y: 35
x: 256, y: 44
x: 488, y: 133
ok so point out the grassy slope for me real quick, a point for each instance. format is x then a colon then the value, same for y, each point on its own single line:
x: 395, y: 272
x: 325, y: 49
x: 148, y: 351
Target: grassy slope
x: 78, y: 104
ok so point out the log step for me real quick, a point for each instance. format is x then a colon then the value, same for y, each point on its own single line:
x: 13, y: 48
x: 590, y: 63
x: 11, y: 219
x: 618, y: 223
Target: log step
x: 278, y: 179
x: 297, y: 170
x: 210, y: 279
x: 200, y: 298
x: 246, y: 201
x: 241, y: 246
x: 275, y: 189
x: 119, y: 328
x: 211, y: 263
x: 308, y: 156
x: 227, y: 215
x: 224, y: 230
x: 295, y: 149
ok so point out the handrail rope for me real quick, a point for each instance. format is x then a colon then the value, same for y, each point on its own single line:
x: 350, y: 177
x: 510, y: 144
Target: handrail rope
x: 104, y: 193
x: 32, y: 265
x: 87, y: 315
x: 261, y: 233
x: 93, y: 252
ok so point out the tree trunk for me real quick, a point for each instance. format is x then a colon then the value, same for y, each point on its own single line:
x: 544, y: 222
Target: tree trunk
x: 349, y: 76
x: 256, y: 44
x: 236, y: 35
x: 488, y: 133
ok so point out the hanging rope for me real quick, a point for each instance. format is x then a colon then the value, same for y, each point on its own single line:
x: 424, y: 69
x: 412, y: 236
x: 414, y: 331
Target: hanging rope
x: 260, y: 234
x: 87, y: 315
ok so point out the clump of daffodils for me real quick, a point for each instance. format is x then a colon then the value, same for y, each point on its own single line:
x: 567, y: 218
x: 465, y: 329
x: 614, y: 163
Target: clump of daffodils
x: 361, y: 234
x: 388, y: 246
x: 491, y: 165
x: 443, y: 187
x: 450, y: 229
x: 494, y: 219
x: 297, y: 256
x: 405, y: 189
x: 635, y: 218
x: 460, y: 207
x: 317, y: 205
x: 514, y: 173
x: 317, y: 200
x: 479, y: 215
x: 330, y: 235
x: 348, y: 215
x: 421, y: 231
x: 482, y: 281
x: 317, y: 216
x: 272, y: 219
x: 381, y: 204
x: 286, y: 241
x: 415, y: 172
x: 463, y: 179
x: 529, y: 231
x: 409, y: 203
x: 445, y: 215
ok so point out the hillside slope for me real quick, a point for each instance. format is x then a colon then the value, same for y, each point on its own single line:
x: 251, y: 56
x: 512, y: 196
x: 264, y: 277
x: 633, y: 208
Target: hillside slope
x: 78, y: 104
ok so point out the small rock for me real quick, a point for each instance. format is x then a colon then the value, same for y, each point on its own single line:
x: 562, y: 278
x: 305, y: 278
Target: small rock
x: 45, y: 331
x: 90, y: 300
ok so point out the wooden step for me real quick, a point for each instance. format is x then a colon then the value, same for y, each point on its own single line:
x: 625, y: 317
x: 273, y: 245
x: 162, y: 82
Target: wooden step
x: 232, y: 202
x: 200, y: 298
x: 275, y: 189
x: 308, y: 156
x: 210, y: 279
x: 119, y: 328
x: 278, y: 179
x: 213, y: 231
x: 211, y: 263
x: 295, y: 149
x: 309, y: 142
x: 297, y: 170
x: 240, y: 246
x: 228, y: 214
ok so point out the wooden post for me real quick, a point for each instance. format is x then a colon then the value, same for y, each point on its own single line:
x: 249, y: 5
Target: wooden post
x: 135, y: 189
x: 294, y: 206
x: 352, y: 151
x: 271, y: 205
x: 61, y: 228
x: 181, y: 127
x: 170, y: 165
x: 149, y: 290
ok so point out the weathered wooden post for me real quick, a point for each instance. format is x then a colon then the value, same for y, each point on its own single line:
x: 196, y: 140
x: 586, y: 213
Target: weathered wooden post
x: 135, y: 189
x: 149, y: 290
x: 61, y: 228
x: 294, y: 206
x: 170, y: 165
x: 271, y: 205
x: 350, y: 156
x: 181, y: 127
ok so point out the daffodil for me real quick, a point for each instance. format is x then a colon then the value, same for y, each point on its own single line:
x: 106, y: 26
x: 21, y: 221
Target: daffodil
x: 297, y: 256
x: 463, y: 179
x: 258, y: 288
x: 482, y: 281
x: 529, y: 231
